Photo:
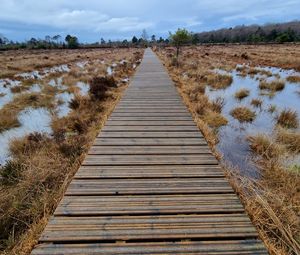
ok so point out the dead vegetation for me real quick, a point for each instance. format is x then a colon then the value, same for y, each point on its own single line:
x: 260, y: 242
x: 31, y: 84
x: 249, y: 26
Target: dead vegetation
x: 274, y: 86
x: 219, y: 81
x: 241, y: 94
x: 293, y: 79
x: 287, y: 118
x: 243, y: 114
x: 256, y: 102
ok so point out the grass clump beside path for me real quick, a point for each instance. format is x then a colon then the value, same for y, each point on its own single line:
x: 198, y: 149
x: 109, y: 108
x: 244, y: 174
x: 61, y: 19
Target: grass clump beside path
x: 243, y: 114
x: 219, y: 81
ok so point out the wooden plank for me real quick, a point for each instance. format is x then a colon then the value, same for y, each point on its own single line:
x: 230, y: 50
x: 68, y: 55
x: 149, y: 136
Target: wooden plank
x: 148, y: 227
x: 150, y: 128
x: 149, y: 134
x: 149, y: 114
x: 148, y: 205
x: 150, y: 141
x: 149, y: 186
x: 151, y: 118
x: 190, y: 159
x: 148, y: 150
x: 238, y: 247
x: 148, y: 171
x: 150, y: 123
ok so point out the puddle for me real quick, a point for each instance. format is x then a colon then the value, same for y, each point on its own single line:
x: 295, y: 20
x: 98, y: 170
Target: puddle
x: 233, y: 144
x: 57, y: 82
x: 109, y: 71
x: 32, y: 120
x: 63, y: 100
x: 84, y: 88
x: 82, y: 64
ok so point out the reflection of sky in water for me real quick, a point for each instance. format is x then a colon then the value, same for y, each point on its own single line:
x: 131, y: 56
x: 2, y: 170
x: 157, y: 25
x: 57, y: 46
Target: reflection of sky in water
x: 63, y: 109
x: 84, y: 88
x: 233, y: 144
x: 31, y: 120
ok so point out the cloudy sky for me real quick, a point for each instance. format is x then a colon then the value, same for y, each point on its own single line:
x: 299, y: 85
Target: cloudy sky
x: 121, y: 19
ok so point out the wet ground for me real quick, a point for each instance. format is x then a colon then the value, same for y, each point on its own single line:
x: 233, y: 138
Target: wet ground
x: 233, y: 143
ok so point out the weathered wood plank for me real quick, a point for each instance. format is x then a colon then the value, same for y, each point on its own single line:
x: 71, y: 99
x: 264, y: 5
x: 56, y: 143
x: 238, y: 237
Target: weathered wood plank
x: 150, y: 205
x: 149, y: 186
x: 150, y: 141
x: 148, y: 227
x: 137, y: 134
x: 148, y: 150
x: 151, y: 128
x: 239, y: 247
x: 148, y: 171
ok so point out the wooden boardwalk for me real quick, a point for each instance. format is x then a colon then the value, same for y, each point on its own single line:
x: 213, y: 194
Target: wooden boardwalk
x: 150, y: 185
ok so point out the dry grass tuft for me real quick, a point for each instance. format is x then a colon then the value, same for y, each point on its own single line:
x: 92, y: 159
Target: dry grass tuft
x: 288, y: 118
x: 8, y: 120
x: 219, y: 81
x: 241, y: 94
x: 214, y: 119
x: 265, y: 147
x: 277, y: 85
x: 293, y: 79
x: 243, y: 114
x: 256, y: 102
x: 217, y: 104
x: 291, y: 139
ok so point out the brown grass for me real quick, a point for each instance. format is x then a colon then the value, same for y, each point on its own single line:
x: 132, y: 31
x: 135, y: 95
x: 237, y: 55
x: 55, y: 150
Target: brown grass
x: 8, y: 120
x: 288, y: 118
x: 243, y: 114
x: 291, y: 139
x: 293, y: 79
x: 241, y: 94
x: 256, y: 102
x: 265, y: 147
x: 277, y: 85
x: 219, y: 81
x: 214, y: 119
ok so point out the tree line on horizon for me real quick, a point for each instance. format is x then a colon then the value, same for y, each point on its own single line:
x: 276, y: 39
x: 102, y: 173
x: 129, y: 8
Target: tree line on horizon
x: 276, y: 33
x: 269, y: 33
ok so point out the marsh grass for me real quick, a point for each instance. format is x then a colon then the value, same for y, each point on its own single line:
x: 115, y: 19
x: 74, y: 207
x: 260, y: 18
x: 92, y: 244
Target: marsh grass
x: 8, y: 120
x: 264, y: 146
x: 243, y: 114
x: 293, y: 79
x: 276, y: 85
x: 291, y: 139
x: 256, y: 102
x: 287, y: 118
x: 217, y: 104
x: 241, y: 94
x: 215, y: 119
x: 219, y: 81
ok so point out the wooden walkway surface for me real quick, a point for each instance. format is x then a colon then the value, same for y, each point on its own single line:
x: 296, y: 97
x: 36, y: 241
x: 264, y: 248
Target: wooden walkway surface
x: 150, y: 184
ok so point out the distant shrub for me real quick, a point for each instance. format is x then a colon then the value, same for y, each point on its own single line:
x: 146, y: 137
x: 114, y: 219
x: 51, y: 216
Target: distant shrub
x: 242, y: 93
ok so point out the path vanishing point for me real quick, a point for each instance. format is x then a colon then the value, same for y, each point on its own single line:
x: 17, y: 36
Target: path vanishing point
x: 150, y: 184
